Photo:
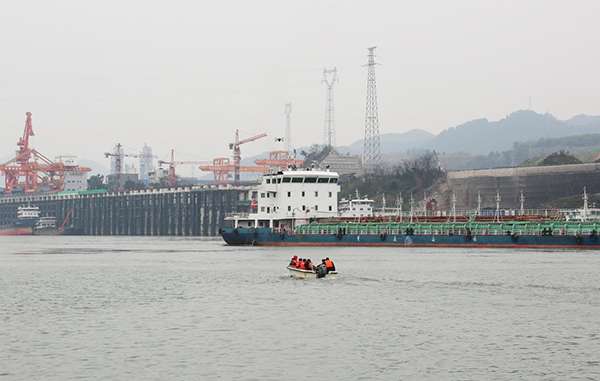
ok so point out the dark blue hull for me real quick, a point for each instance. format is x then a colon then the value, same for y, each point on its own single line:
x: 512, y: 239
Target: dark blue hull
x: 265, y: 237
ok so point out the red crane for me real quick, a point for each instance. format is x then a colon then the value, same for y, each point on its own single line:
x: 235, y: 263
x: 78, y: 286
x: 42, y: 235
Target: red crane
x: 279, y: 159
x: 237, y: 154
x: 35, y: 169
x: 221, y: 168
x: 173, y: 163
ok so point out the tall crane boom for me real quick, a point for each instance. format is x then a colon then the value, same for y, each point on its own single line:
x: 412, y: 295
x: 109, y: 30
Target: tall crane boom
x: 237, y: 154
x: 249, y: 139
x: 23, y: 142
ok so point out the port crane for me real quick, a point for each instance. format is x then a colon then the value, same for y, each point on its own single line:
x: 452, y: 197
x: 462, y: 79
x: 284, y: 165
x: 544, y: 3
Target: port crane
x: 237, y: 154
x: 281, y: 159
x: 35, y: 169
x: 222, y: 167
x: 173, y: 163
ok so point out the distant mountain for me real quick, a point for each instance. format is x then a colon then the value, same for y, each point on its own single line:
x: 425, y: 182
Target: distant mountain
x: 393, y: 142
x: 482, y: 136
x: 583, y: 120
x: 96, y: 167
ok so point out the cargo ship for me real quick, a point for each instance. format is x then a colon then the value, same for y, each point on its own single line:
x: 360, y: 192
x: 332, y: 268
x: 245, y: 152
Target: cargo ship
x: 300, y: 208
x: 29, y: 222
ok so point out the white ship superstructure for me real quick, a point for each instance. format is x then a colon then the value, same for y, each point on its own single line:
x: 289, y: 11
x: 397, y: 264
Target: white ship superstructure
x: 360, y: 207
x: 285, y: 199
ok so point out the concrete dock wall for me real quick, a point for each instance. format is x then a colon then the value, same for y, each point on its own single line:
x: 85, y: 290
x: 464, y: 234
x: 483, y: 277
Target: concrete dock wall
x: 174, y: 212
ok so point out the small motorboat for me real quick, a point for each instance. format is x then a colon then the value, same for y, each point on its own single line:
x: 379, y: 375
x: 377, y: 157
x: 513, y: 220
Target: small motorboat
x: 298, y: 273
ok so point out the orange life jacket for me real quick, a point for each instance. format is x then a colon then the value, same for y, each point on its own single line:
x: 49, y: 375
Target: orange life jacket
x: 293, y: 263
x: 329, y: 263
x: 303, y: 265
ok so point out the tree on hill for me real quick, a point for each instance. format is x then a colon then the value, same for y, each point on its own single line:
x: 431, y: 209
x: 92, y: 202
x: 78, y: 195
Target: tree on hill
x: 412, y: 176
x: 560, y: 158
x: 316, y: 154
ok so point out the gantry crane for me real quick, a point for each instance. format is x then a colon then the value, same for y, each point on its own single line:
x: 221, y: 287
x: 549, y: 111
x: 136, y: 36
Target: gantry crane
x: 222, y: 168
x: 173, y: 163
x: 279, y: 159
x: 35, y: 169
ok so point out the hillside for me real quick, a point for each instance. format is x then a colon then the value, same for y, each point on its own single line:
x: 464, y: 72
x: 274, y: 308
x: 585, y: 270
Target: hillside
x: 393, y: 142
x: 482, y: 136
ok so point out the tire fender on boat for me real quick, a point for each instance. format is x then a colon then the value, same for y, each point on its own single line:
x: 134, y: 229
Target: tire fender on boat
x: 578, y: 238
x: 282, y: 235
x: 593, y: 236
x: 236, y: 231
x: 514, y: 237
x: 382, y: 236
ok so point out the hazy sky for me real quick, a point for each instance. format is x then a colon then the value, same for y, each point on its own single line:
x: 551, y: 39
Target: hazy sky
x: 187, y: 74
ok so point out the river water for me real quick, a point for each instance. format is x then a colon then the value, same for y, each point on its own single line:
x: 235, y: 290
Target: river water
x: 155, y: 308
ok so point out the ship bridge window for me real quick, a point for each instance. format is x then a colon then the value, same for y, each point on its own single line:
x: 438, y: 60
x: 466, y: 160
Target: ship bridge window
x: 323, y: 180
x: 296, y: 179
x: 287, y: 179
x: 279, y: 180
x: 333, y: 180
x: 310, y: 180
x: 268, y: 181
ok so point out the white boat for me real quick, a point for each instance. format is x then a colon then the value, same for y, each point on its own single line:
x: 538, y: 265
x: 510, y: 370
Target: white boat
x: 298, y: 273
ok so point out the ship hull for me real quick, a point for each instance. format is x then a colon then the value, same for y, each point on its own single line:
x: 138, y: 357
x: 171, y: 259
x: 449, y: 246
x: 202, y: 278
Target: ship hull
x: 16, y: 230
x: 265, y: 237
x: 57, y: 231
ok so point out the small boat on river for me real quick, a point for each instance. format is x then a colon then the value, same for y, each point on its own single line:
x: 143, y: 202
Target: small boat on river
x: 298, y: 273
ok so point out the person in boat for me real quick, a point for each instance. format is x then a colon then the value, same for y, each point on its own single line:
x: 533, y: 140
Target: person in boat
x: 321, y: 269
x: 294, y: 261
x: 299, y: 264
x: 329, y: 264
x: 309, y: 265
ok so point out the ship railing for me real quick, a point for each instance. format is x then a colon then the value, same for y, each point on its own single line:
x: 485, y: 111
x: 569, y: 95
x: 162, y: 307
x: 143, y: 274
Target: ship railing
x: 238, y: 215
x: 462, y: 231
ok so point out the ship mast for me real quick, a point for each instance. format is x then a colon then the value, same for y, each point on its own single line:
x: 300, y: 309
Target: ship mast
x: 412, y: 208
x: 585, y: 205
x: 498, y: 199
x: 454, y: 206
